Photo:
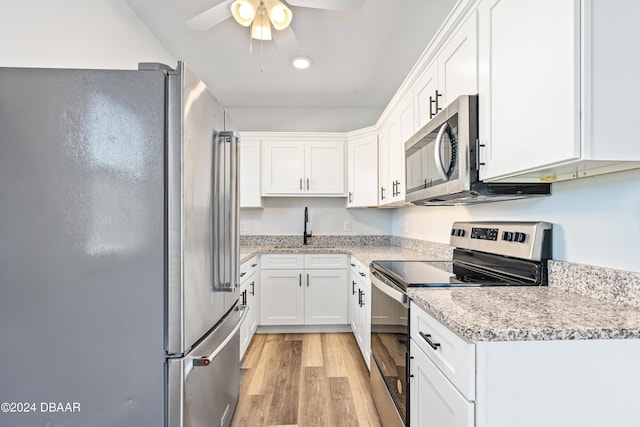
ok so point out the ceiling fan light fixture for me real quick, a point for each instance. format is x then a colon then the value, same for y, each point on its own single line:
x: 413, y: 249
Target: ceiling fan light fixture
x: 301, y: 62
x: 279, y: 14
x: 244, y: 11
x: 260, y: 27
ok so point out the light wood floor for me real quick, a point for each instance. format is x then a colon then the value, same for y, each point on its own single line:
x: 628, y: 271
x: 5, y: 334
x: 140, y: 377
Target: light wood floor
x: 305, y: 380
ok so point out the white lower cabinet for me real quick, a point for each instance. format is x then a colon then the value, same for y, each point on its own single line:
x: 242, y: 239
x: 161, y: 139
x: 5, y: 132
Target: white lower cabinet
x: 325, y: 301
x: 442, y: 374
x: 437, y: 402
x: 295, y: 295
x: 249, y: 295
x: 282, y: 297
x: 551, y: 383
x: 360, y: 307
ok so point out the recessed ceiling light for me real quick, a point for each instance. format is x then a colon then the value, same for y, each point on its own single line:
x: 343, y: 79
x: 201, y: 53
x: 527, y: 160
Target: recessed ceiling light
x: 301, y: 62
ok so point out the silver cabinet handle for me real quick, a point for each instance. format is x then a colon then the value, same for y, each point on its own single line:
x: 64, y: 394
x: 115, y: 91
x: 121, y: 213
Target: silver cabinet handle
x: 206, y: 361
x: 307, y: 183
x: 300, y: 184
x: 300, y: 279
x: 307, y: 280
x: 350, y: 197
x: 253, y: 287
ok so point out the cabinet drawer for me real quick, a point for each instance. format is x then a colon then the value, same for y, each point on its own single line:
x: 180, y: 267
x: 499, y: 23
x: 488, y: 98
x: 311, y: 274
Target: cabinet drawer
x: 247, y: 268
x: 325, y: 261
x: 454, y: 356
x: 359, y: 268
x: 281, y: 261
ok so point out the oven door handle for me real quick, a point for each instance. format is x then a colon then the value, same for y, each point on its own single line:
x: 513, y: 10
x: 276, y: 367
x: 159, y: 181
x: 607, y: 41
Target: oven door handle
x: 389, y: 290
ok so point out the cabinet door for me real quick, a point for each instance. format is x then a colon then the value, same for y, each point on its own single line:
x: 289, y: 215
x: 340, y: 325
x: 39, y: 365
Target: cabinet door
x: 324, y: 168
x: 281, y: 297
x: 425, y: 88
x: 363, y: 171
x: 434, y: 401
x: 250, y: 190
x: 384, y: 191
x: 364, y: 320
x: 529, y: 80
x: 326, y: 297
x: 354, y: 308
x: 244, y: 334
x: 253, y: 299
x: 458, y: 63
x: 282, y: 167
x: 394, y: 186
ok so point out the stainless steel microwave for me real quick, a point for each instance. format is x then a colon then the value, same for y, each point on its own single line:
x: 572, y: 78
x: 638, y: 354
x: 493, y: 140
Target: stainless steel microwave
x: 442, y: 162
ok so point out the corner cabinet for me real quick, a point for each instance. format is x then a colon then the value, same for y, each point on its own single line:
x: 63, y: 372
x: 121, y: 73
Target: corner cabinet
x: 303, y: 289
x: 362, y: 158
x: 555, y: 99
x: 303, y: 168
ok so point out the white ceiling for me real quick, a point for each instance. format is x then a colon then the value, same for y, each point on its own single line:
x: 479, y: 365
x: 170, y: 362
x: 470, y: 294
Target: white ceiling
x: 359, y: 61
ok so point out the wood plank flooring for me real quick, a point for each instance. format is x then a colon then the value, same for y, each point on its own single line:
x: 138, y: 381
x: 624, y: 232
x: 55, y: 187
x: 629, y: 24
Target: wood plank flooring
x: 305, y: 380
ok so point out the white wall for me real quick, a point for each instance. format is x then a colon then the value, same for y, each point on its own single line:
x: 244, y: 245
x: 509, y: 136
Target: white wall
x: 596, y: 220
x: 76, y: 34
x: 327, y: 215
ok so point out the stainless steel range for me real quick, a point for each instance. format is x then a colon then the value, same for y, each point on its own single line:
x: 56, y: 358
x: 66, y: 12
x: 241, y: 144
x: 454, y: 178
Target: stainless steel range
x: 485, y: 254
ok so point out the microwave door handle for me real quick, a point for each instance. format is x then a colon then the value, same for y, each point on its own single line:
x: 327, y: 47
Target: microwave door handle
x: 437, y: 152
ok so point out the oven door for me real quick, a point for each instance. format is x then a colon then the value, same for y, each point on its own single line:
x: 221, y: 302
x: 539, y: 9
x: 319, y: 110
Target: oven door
x: 389, y: 335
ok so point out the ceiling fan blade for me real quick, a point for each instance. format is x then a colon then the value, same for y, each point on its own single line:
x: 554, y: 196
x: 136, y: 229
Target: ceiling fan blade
x: 286, y: 40
x: 339, y: 5
x: 210, y: 17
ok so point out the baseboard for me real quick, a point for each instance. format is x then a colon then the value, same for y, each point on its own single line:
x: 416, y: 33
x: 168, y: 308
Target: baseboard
x: 298, y: 329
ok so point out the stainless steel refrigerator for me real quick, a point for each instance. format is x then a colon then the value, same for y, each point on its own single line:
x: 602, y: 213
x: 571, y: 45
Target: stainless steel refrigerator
x: 118, y: 250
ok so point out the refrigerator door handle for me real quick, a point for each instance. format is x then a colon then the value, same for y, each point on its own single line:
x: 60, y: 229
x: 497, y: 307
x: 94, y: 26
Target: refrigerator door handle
x: 206, y: 361
x: 225, y: 267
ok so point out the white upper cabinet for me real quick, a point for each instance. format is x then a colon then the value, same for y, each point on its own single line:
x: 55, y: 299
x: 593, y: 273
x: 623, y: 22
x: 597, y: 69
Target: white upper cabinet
x: 423, y: 93
x: 362, y: 171
x: 324, y: 167
x: 393, y: 134
x: 452, y: 72
x: 458, y: 62
x: 529, y: 98
x: 303, y: 168
x: 555, y: 101
x: 250, y: 190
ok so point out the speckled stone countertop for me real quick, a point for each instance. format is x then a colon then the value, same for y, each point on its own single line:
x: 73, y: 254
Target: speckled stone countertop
x: 570, y: 308
x: 364, y: 253
x: 527, y: 313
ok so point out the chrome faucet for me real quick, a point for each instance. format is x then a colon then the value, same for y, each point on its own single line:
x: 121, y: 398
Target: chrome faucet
x: 306, y: 235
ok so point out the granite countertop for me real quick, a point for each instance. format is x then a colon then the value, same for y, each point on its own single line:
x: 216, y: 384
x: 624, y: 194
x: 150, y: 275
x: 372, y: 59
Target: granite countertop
x: 518, y: 313
x: 525, y: 313
x: 364, y: 253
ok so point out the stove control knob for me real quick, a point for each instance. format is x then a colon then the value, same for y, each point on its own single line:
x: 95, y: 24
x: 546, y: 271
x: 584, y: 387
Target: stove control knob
x: 461, y: 233
x: 520, y: 237
x: 508, y: 236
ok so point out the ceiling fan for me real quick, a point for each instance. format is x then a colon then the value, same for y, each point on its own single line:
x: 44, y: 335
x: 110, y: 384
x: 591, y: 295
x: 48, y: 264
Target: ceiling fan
x: 261, y: 14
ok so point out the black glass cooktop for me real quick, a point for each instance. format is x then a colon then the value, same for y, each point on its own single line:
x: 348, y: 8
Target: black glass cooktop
x: 432, y: 274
